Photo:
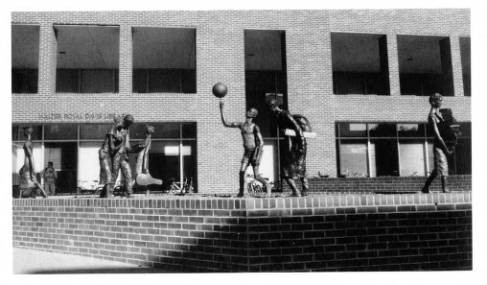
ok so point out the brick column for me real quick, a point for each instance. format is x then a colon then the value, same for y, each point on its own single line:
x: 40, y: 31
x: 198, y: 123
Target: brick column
x: 393, y: 56
x: 125, y: 63
x: 456, y: 62
x: 47, y: 60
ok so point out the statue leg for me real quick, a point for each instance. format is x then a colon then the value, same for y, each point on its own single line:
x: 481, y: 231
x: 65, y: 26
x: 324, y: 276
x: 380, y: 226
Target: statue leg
x: 243, y: 168
x: 429, y: 181
x: 305, y: 183
x: 116, y: 161
x: 262, y: 180
x: 444, y: 183
x: 126, y: 176
x: 292, y: 184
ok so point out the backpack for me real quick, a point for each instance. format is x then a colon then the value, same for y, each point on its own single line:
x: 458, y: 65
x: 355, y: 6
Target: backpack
x: 303, y: 122
x: 449, y: 128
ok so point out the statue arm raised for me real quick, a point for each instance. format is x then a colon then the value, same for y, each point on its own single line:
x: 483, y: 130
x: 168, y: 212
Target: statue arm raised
x: 225, y: 123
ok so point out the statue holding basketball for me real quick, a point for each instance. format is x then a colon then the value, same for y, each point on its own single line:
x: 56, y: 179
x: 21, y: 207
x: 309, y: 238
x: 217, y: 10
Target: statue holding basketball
x: 252, y: 141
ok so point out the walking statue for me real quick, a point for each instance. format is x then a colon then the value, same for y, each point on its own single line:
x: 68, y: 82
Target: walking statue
x: 445, y: 131
x: 294, y: 160
x: 28, y: 181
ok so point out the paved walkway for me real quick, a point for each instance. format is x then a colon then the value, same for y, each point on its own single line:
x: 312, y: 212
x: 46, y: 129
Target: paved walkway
x: 29, y: 261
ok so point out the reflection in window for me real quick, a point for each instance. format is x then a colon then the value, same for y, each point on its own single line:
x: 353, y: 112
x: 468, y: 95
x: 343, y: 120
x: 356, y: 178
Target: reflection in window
x: 75, y: 157
x: 386, y: 158
x: 425, y: 65
x: 465, y: 57
x: 353, y: 159
x: 25, y: 58
x: 164, y: 60
x: 387, y: 153
x: 87, y: 59
x: 411, y: 156
x: 360, y: 64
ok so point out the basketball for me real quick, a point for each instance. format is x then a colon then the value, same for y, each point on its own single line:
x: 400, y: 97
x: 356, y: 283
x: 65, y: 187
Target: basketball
x: 220, y: 90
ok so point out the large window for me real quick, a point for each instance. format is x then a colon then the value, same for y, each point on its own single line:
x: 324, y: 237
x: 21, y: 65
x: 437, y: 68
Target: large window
x: 395, y: 149
x: 360, y: 64
x: 73, y: 149
x: 164, y: 60
x: 87, y: 58
x: 425, y: 65
x: 25, y: 58
x: 465, y: 57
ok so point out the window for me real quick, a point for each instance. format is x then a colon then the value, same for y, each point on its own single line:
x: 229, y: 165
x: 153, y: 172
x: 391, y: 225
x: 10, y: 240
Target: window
x: 394, y: 149
x: 465, y: 57
x: 360, y: 64
x: 87, y: 58
x: 425, y: 65
x: 25, y: 58
x: 164, y: 60
x: 73, y: 149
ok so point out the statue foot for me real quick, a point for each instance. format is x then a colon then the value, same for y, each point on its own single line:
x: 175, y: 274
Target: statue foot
x: 425, y: 190
x: 446, y: 190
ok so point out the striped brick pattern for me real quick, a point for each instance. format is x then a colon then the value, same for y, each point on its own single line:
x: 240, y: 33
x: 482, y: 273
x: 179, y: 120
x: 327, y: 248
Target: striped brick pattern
x: 220, y: 57
x: 315, y: 233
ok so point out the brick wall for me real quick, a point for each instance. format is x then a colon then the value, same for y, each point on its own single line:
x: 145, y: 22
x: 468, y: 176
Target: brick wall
x: 220, y: 57
x: 386, y: 184
x: 315, y: 233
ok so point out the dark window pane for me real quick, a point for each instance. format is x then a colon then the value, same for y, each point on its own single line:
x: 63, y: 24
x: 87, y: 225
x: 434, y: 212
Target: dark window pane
x: 137, y: 131
x: 465, y: 130
x: 164, y: 161
x: 64, y: 157
x: 166, y: 130
x: 99, y: 81
x: 384, y: 157
x: 353, y: 159
x: 140, y: 81
x: 188, y: 81
x: 67, y: 80
x: 189, y: 159
x: 36, y: 134
x: 24, y: 80
x: 352, y: 129
x: 15, y: 132
x: 189, y: 130
x: 463, y: 156
x: 164, y: 80
x: 60, y: 132
x: 411, y: 130
x: 382, y: 130
x: 94, y: 131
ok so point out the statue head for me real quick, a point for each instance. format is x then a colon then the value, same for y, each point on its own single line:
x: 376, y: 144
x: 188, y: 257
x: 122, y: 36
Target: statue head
x: 436, y: 100
x: 28, y: 131
x: 149, y: 129
x: 117, y: 121
x: 252, y: 113
x: 274, y: 106
x: 128, y: 120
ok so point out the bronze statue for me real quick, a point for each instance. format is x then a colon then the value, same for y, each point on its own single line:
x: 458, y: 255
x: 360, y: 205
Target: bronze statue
x: 105, y: 154
x: 436, y: 122
x: 294, y: 160
x: 253, y: 147
x: 120, y: 158
x: 28, y: 180
x: 143, y: 177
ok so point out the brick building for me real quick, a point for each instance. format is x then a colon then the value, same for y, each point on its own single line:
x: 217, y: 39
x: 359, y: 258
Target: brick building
x: 362, y: 78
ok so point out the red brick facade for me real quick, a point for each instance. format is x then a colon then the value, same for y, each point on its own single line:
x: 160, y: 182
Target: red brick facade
x: 317, y: 233
x: 220, y: 57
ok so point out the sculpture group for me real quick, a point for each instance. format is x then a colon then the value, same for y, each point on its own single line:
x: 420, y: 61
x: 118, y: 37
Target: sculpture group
x: 115, y: 149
